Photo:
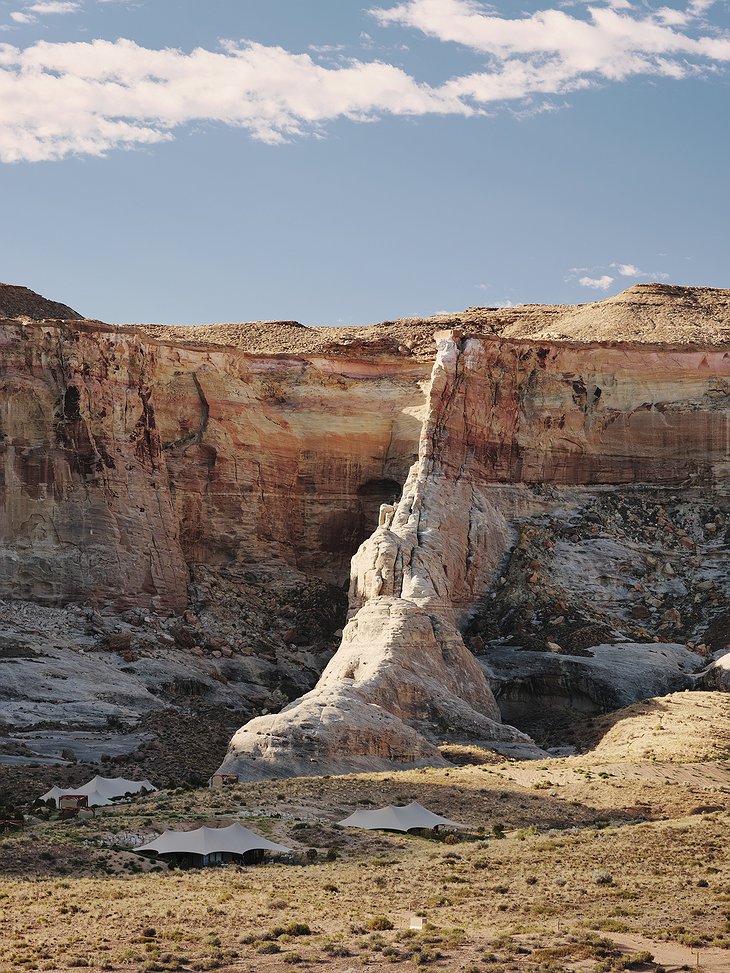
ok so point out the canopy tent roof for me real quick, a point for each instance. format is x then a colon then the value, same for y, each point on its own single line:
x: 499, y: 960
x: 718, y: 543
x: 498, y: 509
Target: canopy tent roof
x: 397, y: 818
x: 235, y: 839
x: 101, y: 790
x: 55, y: 793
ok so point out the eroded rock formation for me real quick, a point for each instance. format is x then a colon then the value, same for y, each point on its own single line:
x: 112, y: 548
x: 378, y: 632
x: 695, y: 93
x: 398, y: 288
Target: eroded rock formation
x: 403, y: 680
x: 205, y: 489
x: 499, y: 413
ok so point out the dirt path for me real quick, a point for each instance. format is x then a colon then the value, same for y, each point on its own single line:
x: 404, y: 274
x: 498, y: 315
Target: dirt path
x: 674, y: 957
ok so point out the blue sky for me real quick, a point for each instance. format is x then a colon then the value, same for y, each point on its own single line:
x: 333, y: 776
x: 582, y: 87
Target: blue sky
x: 340, y: 162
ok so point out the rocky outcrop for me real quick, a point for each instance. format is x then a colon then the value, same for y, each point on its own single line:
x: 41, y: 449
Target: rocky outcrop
x: 716, y: 675
x: 21, y: 302
x: 499, y: 413
x: 534, y: 688
x: 402, y: 680
x: 570, y: 491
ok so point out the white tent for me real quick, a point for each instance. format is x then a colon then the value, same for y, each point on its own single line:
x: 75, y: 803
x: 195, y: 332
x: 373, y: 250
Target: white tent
x: 55, y: 793
x: 101, y: 790
x: 398, y: 818
x: 233, y: 840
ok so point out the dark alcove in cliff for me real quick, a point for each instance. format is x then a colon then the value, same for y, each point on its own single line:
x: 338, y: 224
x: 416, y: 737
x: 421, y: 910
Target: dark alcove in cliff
x: 345, y: 530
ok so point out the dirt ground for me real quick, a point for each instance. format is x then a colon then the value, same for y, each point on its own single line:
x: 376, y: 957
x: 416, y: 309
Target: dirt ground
x: 613, y: 860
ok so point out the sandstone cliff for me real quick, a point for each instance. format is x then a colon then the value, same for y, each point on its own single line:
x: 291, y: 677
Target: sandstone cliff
x: 570, y: 495
x: 499, y: 412
x: 127, y: 459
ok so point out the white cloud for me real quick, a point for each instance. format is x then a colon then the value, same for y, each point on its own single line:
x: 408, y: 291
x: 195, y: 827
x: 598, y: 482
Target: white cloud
x: 55, y: 7
x: 58, y: 99
x: 41, y: 7
x: 631, y: 270
x: 698, y: 8
x: 552, y: 52
x: 598, y: 283
x: 672, y: 17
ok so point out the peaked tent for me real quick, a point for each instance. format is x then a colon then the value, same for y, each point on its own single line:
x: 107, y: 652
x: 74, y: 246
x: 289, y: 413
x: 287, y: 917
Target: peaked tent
x: 395, y: 817
x: 54, y: 794
x: 204, y: 842
x: 101, y: 790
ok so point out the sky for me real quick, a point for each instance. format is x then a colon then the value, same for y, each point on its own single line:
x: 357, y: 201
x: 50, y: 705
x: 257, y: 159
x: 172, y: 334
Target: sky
x: 343, y: 162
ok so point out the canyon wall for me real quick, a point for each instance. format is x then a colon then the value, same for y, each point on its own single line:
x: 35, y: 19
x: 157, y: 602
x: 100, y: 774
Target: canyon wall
x: 565, y: 510
x: 503, y: 418
x: 125, y: 459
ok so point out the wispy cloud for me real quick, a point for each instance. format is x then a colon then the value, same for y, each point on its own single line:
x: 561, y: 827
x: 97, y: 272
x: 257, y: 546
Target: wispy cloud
x: 631, y: 270
x: 602, y: 276
x: 58, y: 99
x: 55, y: 7
x: 597, y: 283
x: 553, y: 52
x: 31, y: 11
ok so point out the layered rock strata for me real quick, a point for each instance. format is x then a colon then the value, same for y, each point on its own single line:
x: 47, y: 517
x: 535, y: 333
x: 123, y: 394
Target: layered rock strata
x: 126, y: 459
x: 503, y: 418
x: 402, y: 680
x: 205, y: 489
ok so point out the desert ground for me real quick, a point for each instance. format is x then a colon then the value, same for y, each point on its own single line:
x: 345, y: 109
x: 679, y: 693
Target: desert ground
x: 612, y: 859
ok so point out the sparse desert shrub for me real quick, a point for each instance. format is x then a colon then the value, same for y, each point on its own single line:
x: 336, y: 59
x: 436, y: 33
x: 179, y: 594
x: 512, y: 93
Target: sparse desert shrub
x: 610, y: 925
x: 380, y: 922
x: 525, y: 833
x: 633, y: 962
x: 602, y: 877
x: 268, y: 947
x: 425, y: 956
x: 336, y: 949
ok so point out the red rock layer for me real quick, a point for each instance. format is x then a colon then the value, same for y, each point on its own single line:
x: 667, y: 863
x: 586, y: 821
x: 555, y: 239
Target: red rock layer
x: 124, y: 459
x: 568, y: 415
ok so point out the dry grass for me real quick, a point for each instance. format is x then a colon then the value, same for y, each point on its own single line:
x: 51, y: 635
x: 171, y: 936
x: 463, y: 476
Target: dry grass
x: 592, y: 872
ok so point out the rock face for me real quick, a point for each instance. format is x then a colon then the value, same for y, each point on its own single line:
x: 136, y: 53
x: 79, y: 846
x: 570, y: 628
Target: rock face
x: 568, y: 491
x: 402, y: 680
x: 499, y: 413
x: 717, y: 675
x: 605, y: 678
x: 125, y: 460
